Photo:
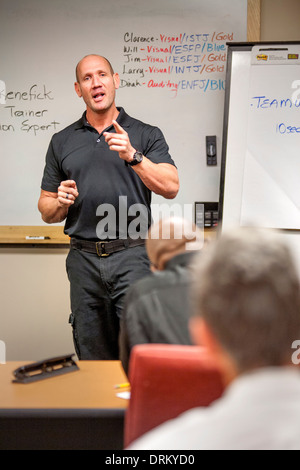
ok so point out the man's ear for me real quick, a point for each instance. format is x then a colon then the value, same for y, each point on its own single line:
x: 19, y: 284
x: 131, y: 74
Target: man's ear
x: 116, y: 80
x: 202, y: 335
x: 77, y: 89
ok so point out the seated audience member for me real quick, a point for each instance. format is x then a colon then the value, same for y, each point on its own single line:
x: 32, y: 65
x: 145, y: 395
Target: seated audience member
x: 247, y: 313
x: 156, y: 308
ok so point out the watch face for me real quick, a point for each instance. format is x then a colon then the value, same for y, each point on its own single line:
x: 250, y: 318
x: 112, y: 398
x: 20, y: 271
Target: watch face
x: 138, y: 156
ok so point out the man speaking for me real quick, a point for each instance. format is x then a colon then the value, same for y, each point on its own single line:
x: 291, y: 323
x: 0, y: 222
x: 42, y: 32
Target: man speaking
x: 105, y: 157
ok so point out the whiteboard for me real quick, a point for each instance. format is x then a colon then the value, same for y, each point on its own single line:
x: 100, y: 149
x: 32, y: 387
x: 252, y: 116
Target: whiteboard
x: 171, y: 57
x: 260, y: 176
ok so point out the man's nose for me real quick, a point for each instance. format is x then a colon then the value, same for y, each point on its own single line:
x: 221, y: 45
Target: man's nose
x: 96, y: 81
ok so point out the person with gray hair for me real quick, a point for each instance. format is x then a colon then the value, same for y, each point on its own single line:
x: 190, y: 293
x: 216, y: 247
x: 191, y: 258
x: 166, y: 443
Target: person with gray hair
x: 246, y: 298
x: 156, y: 308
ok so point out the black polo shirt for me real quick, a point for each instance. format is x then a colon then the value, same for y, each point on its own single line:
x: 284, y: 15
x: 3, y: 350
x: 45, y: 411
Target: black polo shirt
x: 108, y: 189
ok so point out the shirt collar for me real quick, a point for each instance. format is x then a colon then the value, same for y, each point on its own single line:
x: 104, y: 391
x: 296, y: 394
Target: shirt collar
x: 123, y: 119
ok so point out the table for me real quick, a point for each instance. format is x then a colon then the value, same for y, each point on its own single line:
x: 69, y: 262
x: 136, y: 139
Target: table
x: 78, y: 410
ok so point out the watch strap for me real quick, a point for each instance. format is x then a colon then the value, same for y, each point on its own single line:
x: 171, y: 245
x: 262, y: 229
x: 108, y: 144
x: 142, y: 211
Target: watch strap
x: 137, y: 158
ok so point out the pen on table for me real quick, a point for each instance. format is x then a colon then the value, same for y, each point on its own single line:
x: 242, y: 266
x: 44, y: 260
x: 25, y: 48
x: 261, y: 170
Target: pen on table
x: 34, y: 237
x: 124, y: 385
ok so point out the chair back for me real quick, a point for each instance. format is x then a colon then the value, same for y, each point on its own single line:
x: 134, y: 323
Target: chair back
x: 167, y: 380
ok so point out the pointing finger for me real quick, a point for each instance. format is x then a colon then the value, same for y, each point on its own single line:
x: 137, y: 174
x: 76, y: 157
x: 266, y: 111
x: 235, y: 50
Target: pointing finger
x: 118, y: 128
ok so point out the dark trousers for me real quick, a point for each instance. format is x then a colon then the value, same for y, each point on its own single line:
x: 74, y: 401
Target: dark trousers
x: 98, y: 285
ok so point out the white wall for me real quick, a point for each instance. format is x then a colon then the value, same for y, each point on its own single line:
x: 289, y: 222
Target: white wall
x: 34, y: 303
x: 280, y: 20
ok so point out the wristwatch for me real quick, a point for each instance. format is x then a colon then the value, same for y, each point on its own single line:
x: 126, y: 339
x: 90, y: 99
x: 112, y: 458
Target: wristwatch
x: 137, y: 158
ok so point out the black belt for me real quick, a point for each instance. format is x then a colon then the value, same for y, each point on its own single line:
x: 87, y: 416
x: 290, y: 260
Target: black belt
x: 105, y: 248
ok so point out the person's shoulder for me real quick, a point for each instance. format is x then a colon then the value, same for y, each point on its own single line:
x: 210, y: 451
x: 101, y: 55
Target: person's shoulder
x: 184, y: 431
x: 145, y: 285
x: 127, y: 120
x: 157, y: 282
x: 66, y: 131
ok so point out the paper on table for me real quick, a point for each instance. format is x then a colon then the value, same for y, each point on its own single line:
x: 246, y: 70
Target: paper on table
x: 124, y: 395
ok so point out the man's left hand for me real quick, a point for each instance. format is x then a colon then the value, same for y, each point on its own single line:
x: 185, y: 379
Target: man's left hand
x: 119, y: 142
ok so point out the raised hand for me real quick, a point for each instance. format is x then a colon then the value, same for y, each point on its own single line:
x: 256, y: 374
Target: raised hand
x: 119, y: 142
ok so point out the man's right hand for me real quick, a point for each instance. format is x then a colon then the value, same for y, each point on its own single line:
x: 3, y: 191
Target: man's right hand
x: 67, y: 193
x: 54, y: 206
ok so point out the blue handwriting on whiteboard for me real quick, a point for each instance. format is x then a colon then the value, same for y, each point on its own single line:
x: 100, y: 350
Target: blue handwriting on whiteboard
x: 203, y: 85
x: 284, y: 129
x: 262, y: 102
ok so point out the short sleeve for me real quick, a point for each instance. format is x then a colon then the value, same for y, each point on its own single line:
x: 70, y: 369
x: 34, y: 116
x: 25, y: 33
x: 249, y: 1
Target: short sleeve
x: 156, y: 147
x: 53, y: 175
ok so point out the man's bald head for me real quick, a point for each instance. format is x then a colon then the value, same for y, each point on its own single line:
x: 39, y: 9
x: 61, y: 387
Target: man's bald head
x: 92, y: 55
x: 170, y: 237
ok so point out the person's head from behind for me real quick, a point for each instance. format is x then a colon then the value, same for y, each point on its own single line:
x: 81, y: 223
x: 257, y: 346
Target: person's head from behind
x: 170, y: 237
x: 247, y: 301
